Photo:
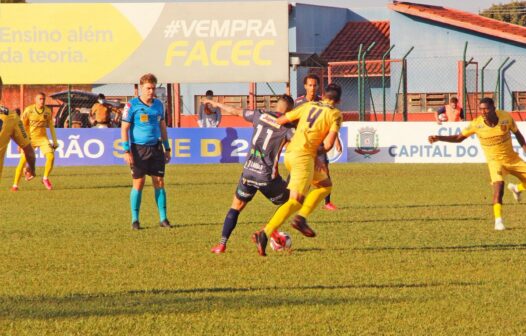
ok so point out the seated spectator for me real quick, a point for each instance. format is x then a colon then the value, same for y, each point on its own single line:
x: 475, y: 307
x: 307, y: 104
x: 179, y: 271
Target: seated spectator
x: 450, y: 112
x: 76, y: 120
x: 99, y: 115
x: 209, y: 116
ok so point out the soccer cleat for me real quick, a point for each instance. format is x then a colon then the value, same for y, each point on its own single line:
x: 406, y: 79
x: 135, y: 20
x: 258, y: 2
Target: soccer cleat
x: 47, y: 184
x: 14, y: 188
x: 300, y: 224
x: 329, y: 206
x: 165, y: 224
x: 28, y: 175
x: 218, y: 249
x: 136, y: 225
x: 261, y: 240
x: 515, y: 191
x: 499, y: 225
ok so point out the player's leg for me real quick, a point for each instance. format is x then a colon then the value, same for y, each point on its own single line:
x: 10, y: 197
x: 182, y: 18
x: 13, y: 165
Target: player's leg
x: 497, y: 172
x: 19, y: 170
x: 276, y: 192
x: 328, y: 204
x: 160, y: 200
x: 155, y: 168
x: 301, y: 171
x: 229, y: 224
x: 48, y: 152
x: 244, y: 194
x: 322, y: 187
x: 519, y: 171
x: 20, y: 137
x: 135, y: 200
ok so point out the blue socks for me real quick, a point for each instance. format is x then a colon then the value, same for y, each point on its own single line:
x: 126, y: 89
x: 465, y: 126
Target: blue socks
x: 160, y: 199
x: 135, y: 203
x: 229, y: 225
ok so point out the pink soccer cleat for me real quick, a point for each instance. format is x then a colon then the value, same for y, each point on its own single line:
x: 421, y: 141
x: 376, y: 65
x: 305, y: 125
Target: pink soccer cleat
x: 218, y: 249
x: 47, y: 184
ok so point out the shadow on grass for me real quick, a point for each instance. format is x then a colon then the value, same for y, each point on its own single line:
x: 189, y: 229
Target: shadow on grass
x: 195, y: 300
x: 468, y: 248
x: 353, y: 221
x: 413, y: 206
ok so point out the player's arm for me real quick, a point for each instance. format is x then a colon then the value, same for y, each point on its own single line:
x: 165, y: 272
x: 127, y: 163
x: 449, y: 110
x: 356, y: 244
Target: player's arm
x: 51, y: 126
x: 330, y: 140
x: 519, y: 136
x: 227, y: 108
x: 166, y: 142
x: 447, y: 138
x: 291, y: 116
x: 125, y: 131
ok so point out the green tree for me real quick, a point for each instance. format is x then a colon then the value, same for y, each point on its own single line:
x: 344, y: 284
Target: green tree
x: 513, y: 12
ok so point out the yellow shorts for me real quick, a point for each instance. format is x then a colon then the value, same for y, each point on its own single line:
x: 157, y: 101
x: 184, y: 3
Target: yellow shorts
x: 498, y: 170
x: 43, y: 144
x: 11, y: 128
x: 303, y: 172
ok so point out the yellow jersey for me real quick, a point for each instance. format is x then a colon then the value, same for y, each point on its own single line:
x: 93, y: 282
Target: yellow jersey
x: 316, y: 120
x: 36, y: 121
x: 495, y: 141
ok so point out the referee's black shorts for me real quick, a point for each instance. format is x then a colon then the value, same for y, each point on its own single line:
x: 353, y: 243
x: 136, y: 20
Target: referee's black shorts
x: 147, y: 160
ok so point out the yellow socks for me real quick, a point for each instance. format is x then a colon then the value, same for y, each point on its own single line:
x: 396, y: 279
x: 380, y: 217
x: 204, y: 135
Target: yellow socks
x: 520, y: 187
x: 313, y: 199
x: 50, y: 159
x: 19, y: 169
x: 283, y: 212
x: 497, y: 210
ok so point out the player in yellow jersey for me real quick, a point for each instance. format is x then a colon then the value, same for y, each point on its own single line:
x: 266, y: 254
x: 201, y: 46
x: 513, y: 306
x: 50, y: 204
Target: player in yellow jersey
x: 11, y: 128
x: 494, y: 128
x: 36, y: 119
x: 318, y: 122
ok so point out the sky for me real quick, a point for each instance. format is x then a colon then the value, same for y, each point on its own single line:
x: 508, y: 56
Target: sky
x: 466, y: 5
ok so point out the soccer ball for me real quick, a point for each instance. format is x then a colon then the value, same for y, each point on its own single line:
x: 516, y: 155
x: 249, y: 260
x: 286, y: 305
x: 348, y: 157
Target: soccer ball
x: 278, y: 246
x: 442, y: 117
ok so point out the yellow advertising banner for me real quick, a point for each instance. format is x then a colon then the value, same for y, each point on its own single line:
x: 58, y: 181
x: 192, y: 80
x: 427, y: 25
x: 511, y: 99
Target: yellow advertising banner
x: 117, y: 43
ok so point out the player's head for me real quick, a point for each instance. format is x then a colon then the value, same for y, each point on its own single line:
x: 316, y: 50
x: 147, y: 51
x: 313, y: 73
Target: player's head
x: 311, y: 83
x: 453, y: 102
x: 333, y: 93
x: 148, y: 83
x: 285, y: 103
x: 486, y: 106
x: 209, y: 94
x: 40, y: 99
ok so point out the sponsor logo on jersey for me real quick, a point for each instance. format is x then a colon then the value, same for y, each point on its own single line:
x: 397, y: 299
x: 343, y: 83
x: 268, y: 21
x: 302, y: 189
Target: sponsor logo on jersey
x: 269, y: 120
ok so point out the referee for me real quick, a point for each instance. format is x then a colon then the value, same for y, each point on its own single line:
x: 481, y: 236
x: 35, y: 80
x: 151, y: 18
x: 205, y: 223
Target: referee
x: 146, y: 147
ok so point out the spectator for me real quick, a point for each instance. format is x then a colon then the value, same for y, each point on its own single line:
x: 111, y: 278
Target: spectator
x: 76, y: 119
x: 450, y: 112
x: 209, y: 116
x: 100, y: 113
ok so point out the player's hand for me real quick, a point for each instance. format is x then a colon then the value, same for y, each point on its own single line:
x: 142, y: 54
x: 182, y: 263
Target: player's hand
x: 128, y: 158
x: 167, y: 156
x: 54, y: 146
x: 338, y: 146
x: 19, y: 149
x: 432, y: 139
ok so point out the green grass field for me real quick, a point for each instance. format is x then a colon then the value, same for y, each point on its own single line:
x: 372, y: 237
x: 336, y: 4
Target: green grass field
x: 411, y: 252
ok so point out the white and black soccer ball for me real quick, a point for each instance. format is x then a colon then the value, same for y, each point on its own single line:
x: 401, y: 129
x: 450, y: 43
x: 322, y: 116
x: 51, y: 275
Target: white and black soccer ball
x: 285, y: 244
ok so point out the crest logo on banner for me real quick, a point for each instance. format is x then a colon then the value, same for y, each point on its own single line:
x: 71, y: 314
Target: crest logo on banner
x: 367, y: 142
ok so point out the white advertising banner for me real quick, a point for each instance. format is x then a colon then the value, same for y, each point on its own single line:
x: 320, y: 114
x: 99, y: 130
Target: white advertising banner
x: 406, y: 142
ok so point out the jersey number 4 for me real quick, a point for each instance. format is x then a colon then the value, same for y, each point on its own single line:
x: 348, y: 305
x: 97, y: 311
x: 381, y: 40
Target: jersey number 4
x: 313, y: 115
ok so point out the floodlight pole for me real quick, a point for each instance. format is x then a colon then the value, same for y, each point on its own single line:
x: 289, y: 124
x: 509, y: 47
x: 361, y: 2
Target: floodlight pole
x: 70, y: 117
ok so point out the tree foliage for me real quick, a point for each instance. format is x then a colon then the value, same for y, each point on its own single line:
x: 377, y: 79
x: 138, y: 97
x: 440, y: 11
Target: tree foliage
x: 514, y: 12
